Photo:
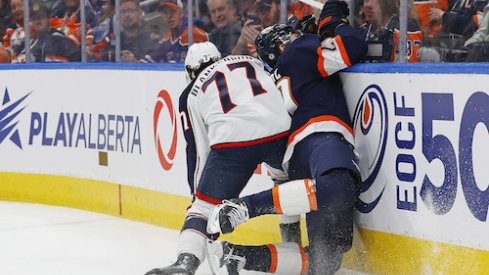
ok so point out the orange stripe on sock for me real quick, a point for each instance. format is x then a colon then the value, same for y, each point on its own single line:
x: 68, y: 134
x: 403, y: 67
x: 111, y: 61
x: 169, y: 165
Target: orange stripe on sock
x: 276, y: 200
x: 311, y: 194
x: 305, y: 261
x: 274, y: 255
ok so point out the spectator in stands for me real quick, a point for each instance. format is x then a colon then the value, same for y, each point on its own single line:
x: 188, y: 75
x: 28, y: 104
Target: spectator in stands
x: 228, y: 28
x: 4, y: 56
x: 16, y: 14
x: 243, y: 5
x: 299, y: 10
x: 382, y: 27
x: 262, y: 14
x: 204, y: 16
x: 101, y: 36
x: 482, y: 33
x: 70, y: 24
x: 5, y: 11
x: 97, y: 6
x: 477, y: 46
x: 136, y: 38
x: 459, y: 18
x: 429, y: 15
x: 359, y: 14
x: 173, y: 46
x: 47, y: 44
x: 268, y: 11
x: 72, y: 11
x: 13, y: 40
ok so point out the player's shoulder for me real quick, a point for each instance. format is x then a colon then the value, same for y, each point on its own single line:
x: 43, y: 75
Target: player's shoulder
x: 199, y: 35
x: 229, y: 60
x: 306, y: 40
x: 301, y: 46
x: 165, y: 38
x: 241, y: 58
x: 301, y: 52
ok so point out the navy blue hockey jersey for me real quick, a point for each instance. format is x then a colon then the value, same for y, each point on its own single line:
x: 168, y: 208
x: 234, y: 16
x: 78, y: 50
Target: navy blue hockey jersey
x: 189, y: 137
x: 313, y: 93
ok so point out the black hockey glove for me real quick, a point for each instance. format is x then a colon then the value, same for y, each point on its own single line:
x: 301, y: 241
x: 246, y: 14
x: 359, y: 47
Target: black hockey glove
x: 308, y: 24
x: 305, y: 25
x: 334, y: 13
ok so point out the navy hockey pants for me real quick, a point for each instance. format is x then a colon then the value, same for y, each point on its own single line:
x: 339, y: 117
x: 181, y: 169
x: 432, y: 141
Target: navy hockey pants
x: 328, y: 158
x: 227, y: 170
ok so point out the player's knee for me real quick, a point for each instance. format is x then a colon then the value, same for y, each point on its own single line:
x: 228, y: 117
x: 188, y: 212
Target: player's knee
x: 197, y: 216
x: 337, y: 190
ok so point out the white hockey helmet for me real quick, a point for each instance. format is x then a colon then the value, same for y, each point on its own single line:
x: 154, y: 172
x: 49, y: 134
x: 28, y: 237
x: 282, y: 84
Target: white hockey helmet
x: 199, y: 56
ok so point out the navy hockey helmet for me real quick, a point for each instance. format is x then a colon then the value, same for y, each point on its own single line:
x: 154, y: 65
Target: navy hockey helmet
x: 268, y: 42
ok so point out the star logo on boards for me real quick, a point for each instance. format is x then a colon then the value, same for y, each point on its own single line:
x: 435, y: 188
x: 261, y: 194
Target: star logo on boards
x: 9, y: 111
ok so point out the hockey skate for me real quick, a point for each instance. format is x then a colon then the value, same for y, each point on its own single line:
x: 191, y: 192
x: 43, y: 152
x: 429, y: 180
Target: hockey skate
x: 225, y: 217
x: 186, y: 264
x: 221, y: 259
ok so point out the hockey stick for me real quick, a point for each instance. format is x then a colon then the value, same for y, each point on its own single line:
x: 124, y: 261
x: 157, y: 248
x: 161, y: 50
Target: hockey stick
x: 313, y: 3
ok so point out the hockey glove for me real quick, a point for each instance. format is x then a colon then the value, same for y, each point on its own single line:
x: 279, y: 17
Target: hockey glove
x: 334, y: 13
x: 305, y: 25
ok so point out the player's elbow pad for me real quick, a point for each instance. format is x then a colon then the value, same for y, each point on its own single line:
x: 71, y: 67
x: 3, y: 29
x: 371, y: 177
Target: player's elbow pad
x: 353, y: 41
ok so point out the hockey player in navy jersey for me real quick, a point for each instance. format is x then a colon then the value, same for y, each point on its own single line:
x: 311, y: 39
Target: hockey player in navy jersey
x: 233, y: 121
x: 320, y: 146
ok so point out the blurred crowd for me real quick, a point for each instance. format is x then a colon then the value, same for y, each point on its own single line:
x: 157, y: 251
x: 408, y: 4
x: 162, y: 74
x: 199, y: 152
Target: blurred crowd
x: 154, y: 31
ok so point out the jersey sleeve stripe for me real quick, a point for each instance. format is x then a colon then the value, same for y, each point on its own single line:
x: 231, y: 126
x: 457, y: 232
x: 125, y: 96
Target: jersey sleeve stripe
x: 320, y: 64
x: 324, y: 21
x: 319, y: 119
x: 250, y: 142
x: 343, y: 52
x: 326, y: 123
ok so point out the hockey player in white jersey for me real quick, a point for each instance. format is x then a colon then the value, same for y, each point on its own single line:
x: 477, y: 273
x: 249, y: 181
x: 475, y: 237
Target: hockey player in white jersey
x: 320, y: 147
x: 234, y: 119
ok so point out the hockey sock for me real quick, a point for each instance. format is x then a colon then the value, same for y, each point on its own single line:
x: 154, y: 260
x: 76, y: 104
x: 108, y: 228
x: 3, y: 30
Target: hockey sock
x: 260, y: 203
x: 282, y: 258
x: 291, y: 198
x: 258, y: 258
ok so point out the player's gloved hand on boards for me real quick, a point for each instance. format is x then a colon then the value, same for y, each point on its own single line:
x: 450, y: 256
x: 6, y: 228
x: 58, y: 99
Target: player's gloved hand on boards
x: 334, y: 13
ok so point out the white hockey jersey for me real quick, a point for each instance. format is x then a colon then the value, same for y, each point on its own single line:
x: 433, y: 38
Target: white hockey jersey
x: 232, y: 103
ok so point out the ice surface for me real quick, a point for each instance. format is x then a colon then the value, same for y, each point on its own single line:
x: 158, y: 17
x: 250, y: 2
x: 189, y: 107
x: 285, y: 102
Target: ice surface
x: 48, y: 240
